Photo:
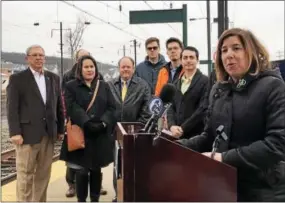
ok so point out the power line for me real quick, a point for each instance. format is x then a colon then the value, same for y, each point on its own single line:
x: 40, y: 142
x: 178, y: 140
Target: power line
x: 124, y: 14
x: 165, y: 3
x: 203, y: 14
x: 111, y: 7
x: 167, y: 23
x: 102, y: 20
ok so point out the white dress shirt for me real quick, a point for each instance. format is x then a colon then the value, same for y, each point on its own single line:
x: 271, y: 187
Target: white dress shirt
x: 41, y: 82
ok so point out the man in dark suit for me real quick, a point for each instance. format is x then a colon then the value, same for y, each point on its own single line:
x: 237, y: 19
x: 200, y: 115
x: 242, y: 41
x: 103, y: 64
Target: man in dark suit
x: 131, y: 94
x: 186, y: 116
x: 35, y: 121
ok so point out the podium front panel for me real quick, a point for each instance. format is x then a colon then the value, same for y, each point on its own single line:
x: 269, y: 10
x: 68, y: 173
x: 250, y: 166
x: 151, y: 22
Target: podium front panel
x: 161, y: 170
x: 165, y: 171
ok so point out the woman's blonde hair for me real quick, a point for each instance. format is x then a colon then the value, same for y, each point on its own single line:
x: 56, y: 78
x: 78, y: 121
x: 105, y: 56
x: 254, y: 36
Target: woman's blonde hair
x: 256, y: 53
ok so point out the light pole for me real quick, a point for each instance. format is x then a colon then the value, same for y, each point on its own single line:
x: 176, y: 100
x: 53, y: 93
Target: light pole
x: 61, y: 42
x: 136, y: 44
x: 61, y: 47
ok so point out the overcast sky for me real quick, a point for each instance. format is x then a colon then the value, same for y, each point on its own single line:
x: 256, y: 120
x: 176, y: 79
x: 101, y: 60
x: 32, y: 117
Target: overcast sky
x: 264, y: 18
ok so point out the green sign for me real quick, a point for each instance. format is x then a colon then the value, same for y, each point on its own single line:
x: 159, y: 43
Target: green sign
x: 156, y: 16
x: 162, y: 16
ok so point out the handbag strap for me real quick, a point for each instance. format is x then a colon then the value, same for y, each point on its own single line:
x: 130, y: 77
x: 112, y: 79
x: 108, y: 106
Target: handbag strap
x: 94, y: 95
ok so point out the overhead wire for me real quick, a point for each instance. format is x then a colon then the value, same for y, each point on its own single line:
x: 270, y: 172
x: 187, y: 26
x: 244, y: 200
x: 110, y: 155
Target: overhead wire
x: 203, y: 14
x: 124, y: 14
x: 164, y: 3
x: 167, y: 23
x: 102, y: 20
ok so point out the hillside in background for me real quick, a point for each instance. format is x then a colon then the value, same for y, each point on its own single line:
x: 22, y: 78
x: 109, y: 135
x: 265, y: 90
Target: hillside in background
x: 54, y: 62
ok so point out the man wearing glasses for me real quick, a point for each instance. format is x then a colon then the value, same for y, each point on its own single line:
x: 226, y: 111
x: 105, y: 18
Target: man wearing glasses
x: 36, y: 121
x: 173, y: 69
x: 149, y: 68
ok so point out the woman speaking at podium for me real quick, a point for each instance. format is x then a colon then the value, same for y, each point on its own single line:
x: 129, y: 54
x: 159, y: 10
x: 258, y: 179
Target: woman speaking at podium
x: 248, y: 101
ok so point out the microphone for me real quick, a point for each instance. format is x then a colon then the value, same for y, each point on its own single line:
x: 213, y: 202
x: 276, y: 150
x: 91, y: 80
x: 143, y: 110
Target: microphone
x: 158, y: 106
x: 167, y: 93
x: 220, y: 134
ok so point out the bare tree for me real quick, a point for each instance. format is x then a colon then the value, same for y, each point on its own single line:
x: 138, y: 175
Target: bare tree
x: 73, y: 37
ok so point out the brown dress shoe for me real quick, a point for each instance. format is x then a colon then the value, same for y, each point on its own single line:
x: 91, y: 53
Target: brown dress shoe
x: 102, y: 191
x: 71, y: 191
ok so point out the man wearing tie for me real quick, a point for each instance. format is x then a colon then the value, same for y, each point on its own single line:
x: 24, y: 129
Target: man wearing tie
x: 131, y: 94
x: 36, y: 121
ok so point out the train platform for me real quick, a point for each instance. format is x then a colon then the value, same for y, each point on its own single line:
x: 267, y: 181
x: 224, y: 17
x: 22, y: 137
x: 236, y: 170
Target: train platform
x: 57, y: 186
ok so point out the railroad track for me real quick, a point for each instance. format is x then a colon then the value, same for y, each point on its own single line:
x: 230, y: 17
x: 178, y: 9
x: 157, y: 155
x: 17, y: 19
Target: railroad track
x: 8, y: 163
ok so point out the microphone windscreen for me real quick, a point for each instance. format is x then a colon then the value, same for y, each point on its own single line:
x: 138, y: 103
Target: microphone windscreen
x: 167, y: 93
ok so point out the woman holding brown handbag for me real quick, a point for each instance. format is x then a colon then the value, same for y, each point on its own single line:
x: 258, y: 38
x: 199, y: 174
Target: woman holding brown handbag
x: 90, y: 106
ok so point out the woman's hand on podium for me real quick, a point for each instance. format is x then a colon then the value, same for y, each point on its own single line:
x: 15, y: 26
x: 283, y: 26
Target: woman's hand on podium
x: 217, y: 156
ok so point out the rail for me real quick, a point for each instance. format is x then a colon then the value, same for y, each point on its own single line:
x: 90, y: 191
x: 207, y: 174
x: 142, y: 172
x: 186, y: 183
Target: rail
x: 8, y: 163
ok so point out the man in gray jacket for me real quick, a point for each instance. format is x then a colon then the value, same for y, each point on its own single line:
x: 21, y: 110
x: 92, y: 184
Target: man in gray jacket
x: 131, y: 95
x: 149, y: 68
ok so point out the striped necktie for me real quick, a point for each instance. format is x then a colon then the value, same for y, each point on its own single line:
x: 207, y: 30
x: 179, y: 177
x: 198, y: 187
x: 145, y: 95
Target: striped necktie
x: 124, y: 90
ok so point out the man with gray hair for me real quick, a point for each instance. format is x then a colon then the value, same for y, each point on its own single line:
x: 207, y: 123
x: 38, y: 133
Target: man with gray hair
x: 36, y: 121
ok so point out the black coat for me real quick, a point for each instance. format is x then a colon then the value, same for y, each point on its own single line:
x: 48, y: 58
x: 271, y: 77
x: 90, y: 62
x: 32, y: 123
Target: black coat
x: 135, y: 106
x: 253, y: 114
x: 98, y: 147
x: 189, y: 110
x: 26, y: 112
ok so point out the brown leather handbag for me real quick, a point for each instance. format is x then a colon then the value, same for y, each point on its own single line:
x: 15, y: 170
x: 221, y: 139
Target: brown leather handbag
x: 75, y: 135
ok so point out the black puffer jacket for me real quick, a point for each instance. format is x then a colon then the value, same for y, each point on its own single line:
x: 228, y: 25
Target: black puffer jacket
x: 253, y: 114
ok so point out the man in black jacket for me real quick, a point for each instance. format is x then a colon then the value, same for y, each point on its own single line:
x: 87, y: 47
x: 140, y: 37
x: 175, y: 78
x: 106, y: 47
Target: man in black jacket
x: 186, y: 116
x: 68, y: 76
x: 131, y: 94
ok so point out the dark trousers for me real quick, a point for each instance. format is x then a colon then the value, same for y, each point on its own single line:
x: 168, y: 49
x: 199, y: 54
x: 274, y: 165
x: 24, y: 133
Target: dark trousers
x: 94, y: 178
x: 114, y: 173
x: 70, y: 175
x: 114, y: 181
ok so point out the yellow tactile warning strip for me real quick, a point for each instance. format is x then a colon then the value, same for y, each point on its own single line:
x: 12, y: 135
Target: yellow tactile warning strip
x: 58, y: 186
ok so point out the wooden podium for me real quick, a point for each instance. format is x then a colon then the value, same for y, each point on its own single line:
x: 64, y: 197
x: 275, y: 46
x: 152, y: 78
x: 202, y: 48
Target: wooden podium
x: 159, y: 169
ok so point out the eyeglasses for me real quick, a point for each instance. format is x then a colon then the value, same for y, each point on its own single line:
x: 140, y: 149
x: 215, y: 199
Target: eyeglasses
x: 35, y: 55
x: 152, y: 48
x: 172, y: 48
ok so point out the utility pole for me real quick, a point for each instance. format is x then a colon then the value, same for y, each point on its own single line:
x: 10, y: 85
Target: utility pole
x: 222, y: 16
x: 209, y: 37
x: 135, y: 50
x: 61, y: 51
x: 124, y: 50
x: 61, y: 48
x: 226, y: 15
